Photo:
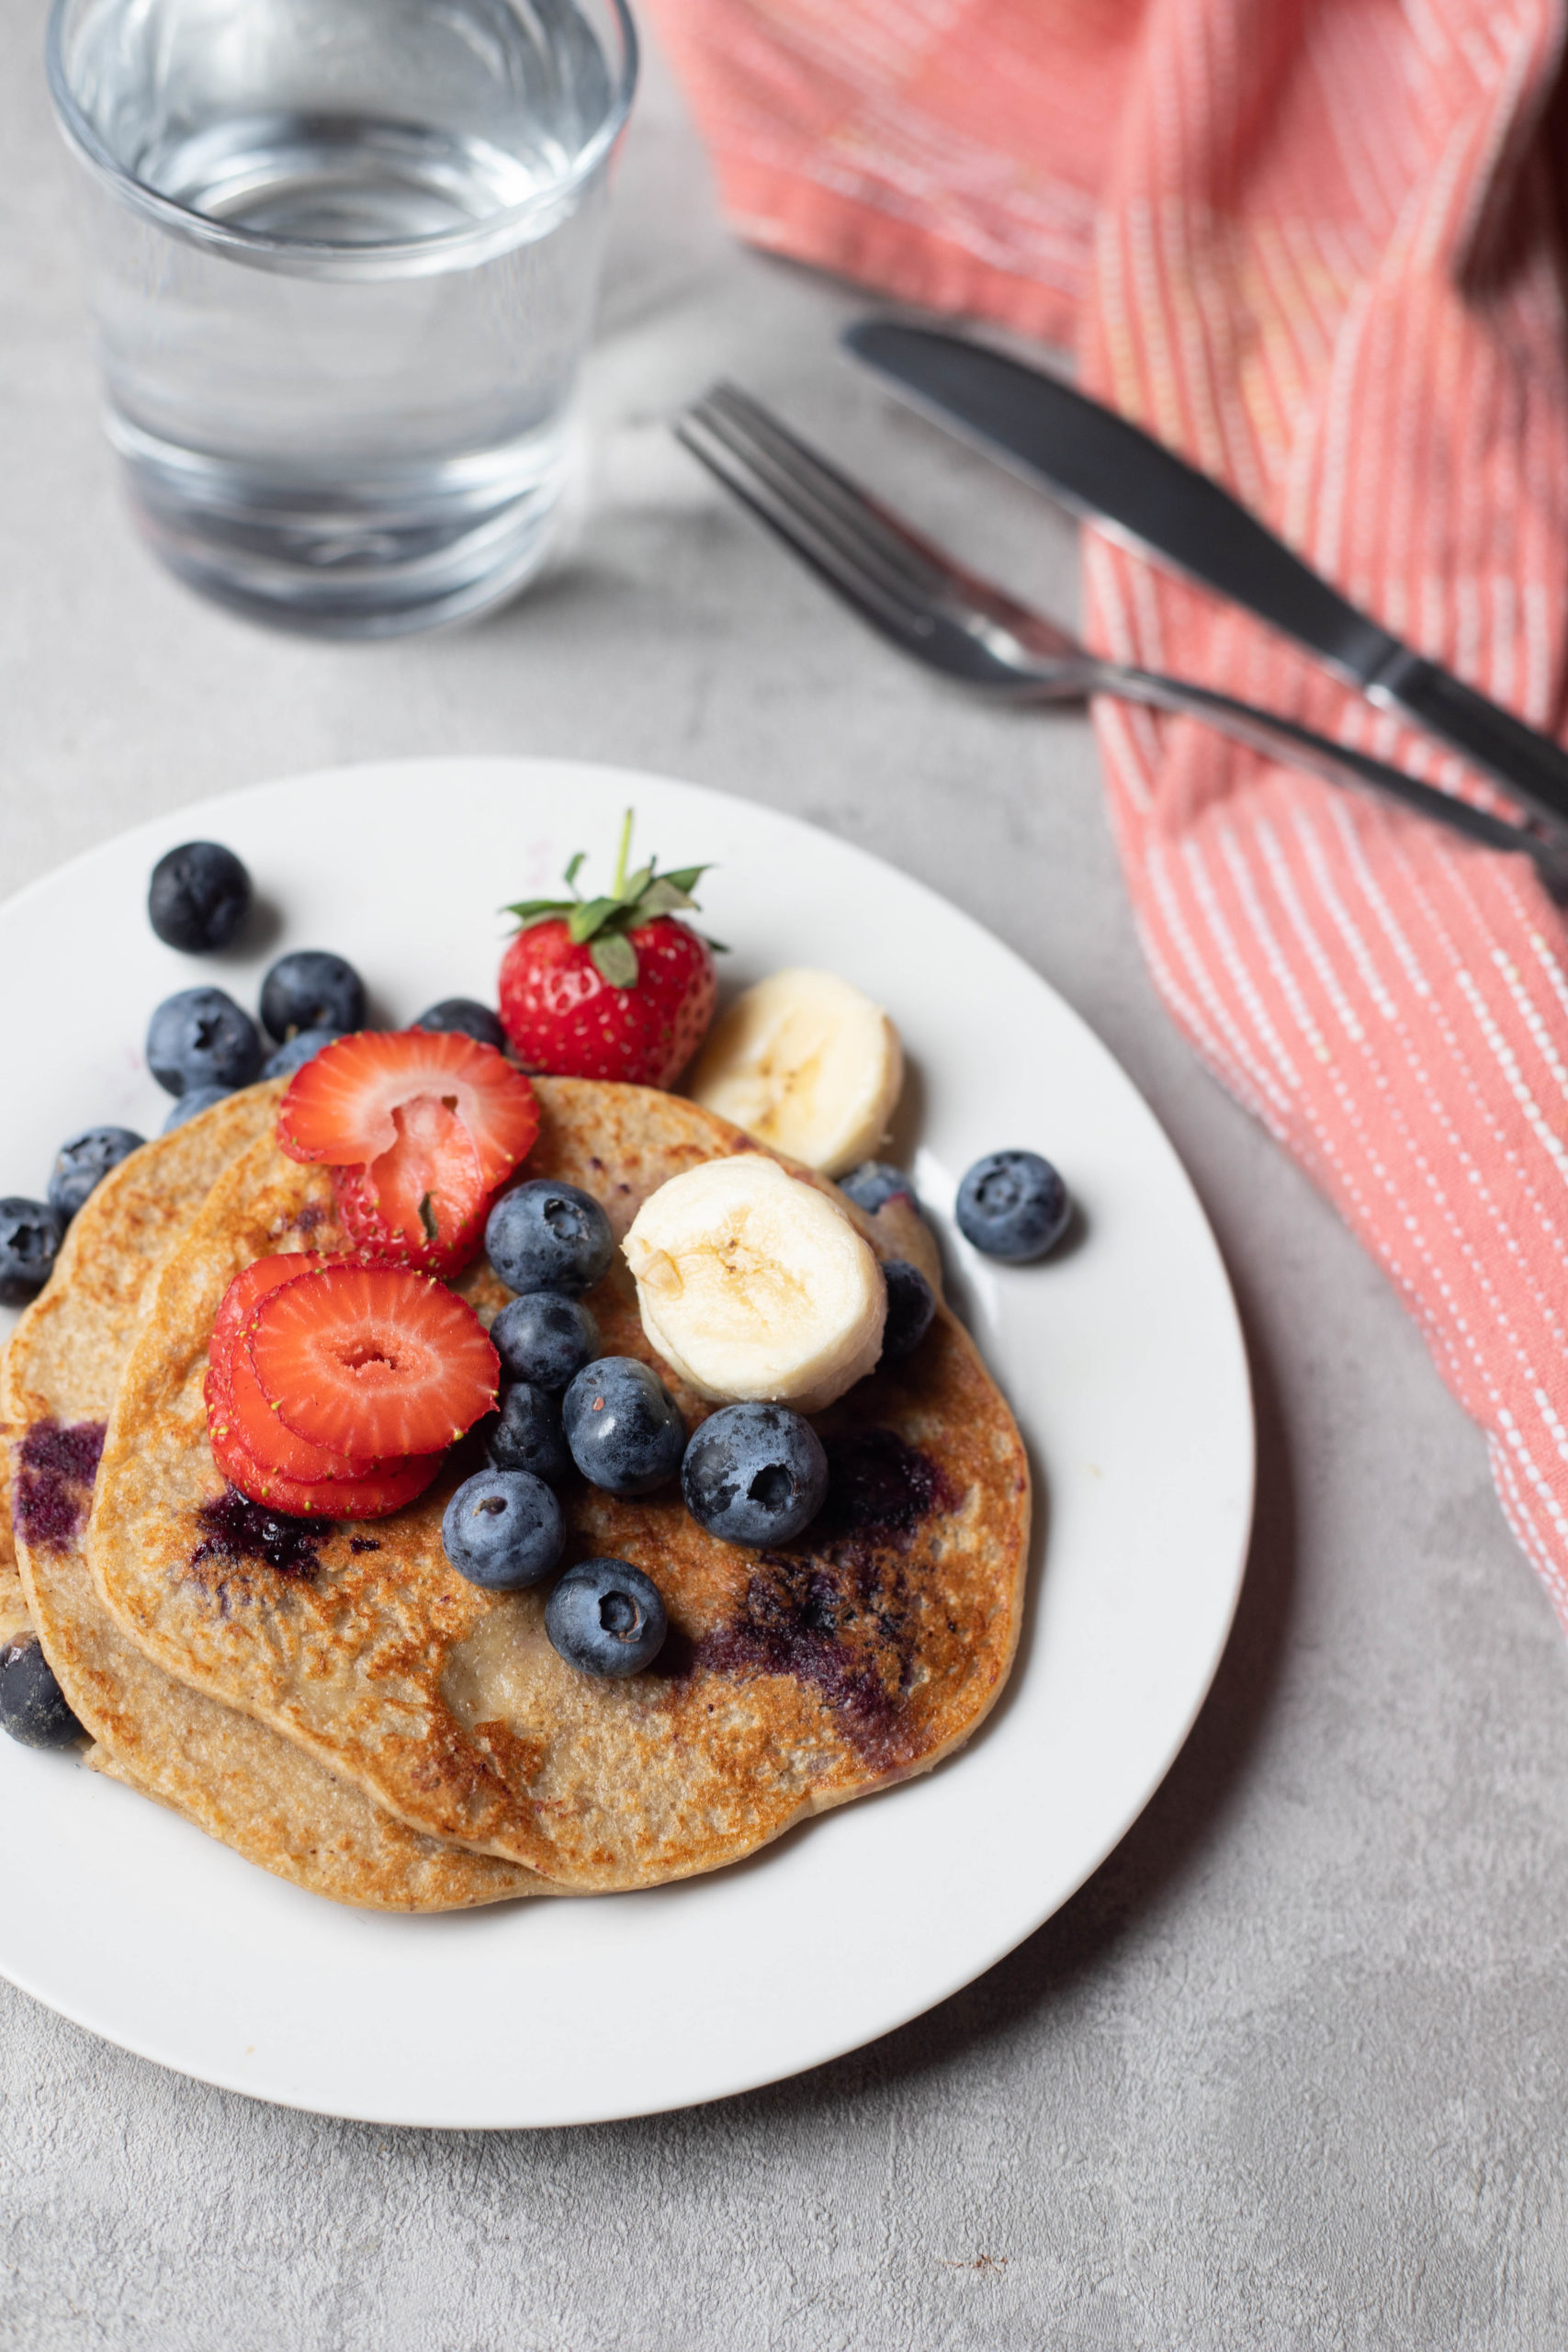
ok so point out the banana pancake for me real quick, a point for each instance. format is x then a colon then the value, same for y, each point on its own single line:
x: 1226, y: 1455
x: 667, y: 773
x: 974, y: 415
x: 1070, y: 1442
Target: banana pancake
x: 16, y: 1623
x: 791, y: 1680
x: 265, y: 1797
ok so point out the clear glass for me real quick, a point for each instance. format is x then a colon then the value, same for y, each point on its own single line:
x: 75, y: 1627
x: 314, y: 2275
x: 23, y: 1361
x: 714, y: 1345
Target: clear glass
x: 345, y: 260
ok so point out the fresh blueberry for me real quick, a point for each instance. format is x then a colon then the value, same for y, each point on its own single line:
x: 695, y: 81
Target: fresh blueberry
x: 623, y: 1426
x: 30, y: 1236
x: 466, y: 1015
x: 503, y: 1530
x: 198, y: 896
x: 82, y: 1161
x: 311, y: 989
x: 911, y: 1303
x: 32, y: 1705
x: 873, y: 1184
x: 547, y: 1235
x: 1012, y: 1205
x: 191, y: 1105
x: 546, y: 1338
x: 302, y: 1047
x: 200, y: 1037
x: 606, y: 1617
x: 754, y: 1474
x: 528, y: 1434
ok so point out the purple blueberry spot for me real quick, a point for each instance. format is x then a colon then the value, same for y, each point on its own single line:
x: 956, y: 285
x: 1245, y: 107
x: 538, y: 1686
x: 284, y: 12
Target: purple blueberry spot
x: 238, y: 1530
x: 56, y: 1469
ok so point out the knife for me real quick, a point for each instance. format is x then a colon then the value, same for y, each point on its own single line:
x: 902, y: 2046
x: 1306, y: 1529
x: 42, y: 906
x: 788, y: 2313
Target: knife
x: 1120, y: 477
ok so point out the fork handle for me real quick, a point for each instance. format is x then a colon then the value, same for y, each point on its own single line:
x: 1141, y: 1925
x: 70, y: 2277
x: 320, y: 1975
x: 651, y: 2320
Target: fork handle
x: 1265, y: 731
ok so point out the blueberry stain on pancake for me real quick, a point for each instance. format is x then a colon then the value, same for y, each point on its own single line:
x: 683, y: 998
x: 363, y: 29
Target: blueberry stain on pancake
x: 237, y: 1531
x: 57, y: 1465
x: 834, y: 1611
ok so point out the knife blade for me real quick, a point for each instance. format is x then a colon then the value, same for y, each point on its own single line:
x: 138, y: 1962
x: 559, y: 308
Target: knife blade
x: 1119, y: 477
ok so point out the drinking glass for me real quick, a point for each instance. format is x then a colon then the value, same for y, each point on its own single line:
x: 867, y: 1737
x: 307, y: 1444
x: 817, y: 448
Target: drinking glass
x: 344, y: 257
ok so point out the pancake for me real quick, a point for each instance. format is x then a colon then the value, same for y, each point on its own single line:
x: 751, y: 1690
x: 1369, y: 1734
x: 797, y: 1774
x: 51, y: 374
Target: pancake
x: 16, y: 1622
x: 791, y: 1680
x: 266, y: 1797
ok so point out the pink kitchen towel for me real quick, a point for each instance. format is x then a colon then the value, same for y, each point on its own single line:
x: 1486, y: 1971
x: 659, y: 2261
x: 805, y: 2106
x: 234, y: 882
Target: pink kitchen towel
x: 1315, y: 245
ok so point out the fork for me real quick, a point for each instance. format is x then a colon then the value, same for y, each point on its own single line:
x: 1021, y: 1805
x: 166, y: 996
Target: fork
x: 931, y: 608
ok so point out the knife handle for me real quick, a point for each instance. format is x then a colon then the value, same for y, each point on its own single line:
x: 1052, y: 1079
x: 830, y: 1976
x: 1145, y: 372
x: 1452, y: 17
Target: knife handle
x: 1524, y: 762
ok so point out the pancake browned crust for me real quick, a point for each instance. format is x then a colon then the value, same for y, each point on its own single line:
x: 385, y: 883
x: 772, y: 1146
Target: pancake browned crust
x: 265, y: 1797
x: 16, y: 1622
x: 790, y: 1681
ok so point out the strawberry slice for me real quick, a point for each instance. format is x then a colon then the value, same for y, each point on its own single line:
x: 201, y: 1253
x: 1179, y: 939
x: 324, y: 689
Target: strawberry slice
x: 233, y: 1390
x: 425, y: 1124
x: 423, y: 1204
x: 369, y: 1497
x: 372, y: 1362
x: 250, y: 1286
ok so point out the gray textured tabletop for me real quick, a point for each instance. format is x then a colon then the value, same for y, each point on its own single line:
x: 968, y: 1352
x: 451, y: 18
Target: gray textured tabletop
x: 1290, y: 2069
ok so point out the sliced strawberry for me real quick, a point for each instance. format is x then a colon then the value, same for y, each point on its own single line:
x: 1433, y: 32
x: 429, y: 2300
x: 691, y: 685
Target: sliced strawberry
x: 423, y: 1204
x: 250, y: 1286
x: 341, y: 1107
x: 235, y: 1387
x: 372, y: 1362
x: 372, y: 1498
x: 273, y: 1446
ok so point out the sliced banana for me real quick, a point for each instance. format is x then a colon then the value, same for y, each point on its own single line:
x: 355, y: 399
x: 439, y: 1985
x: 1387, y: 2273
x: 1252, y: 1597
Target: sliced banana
x: 805, y: 1062
x: 754, y: 1286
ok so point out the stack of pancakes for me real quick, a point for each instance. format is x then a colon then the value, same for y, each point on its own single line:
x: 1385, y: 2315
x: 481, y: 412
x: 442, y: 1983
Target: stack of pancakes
x: 337, y: 1704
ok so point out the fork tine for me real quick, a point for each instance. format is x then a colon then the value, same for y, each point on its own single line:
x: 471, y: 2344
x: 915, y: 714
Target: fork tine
x: 836, y: 505
x: 891, y: 604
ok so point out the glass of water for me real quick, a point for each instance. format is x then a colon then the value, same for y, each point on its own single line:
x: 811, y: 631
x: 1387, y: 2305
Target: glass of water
x: 345, y: 260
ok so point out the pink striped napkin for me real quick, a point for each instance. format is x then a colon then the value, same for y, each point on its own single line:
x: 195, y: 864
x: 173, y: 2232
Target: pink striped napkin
x: 1314, y: 244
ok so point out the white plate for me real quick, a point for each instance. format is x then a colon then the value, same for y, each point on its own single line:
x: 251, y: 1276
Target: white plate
x: 1121, y: 1358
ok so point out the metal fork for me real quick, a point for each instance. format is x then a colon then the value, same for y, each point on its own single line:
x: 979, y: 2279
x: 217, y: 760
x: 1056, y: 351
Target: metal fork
x: 915, y: 596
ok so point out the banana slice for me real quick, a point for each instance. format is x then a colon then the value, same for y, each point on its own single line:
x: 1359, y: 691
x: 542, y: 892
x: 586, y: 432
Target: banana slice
x: 754, y: 1286
x: 805, y: 1062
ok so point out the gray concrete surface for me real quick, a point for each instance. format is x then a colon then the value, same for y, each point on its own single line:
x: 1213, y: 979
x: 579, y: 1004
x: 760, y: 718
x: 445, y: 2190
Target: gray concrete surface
x: 1291, y: 2070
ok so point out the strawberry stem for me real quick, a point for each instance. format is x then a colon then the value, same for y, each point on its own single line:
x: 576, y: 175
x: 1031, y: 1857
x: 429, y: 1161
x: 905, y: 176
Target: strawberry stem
x: 619, y: 884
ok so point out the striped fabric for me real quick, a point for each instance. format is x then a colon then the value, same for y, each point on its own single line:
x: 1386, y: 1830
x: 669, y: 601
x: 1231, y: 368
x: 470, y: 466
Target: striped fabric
x: 1314, y: 244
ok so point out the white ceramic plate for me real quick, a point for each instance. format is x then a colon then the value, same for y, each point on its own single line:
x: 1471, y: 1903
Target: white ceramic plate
x: 1121, y: 1359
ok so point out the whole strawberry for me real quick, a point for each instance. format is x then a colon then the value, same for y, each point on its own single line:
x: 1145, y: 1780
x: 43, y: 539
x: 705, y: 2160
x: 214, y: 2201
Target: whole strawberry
x: 609, y: 988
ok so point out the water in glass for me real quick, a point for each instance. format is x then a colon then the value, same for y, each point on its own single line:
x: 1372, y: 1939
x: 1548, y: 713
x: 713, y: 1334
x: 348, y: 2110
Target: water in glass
x: 346, y: 253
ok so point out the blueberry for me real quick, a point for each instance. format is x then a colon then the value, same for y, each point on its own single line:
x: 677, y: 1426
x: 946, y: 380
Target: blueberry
x: 547, y: 1235
x: 302, y: 1047
x: 754, y: 1474
x: 623, y: 1426
x: 911, y: 1303
x: 200, y: 1037
x: 546, y: 1338
x: 311, y: 989
x: 528, y: 1435
x: 82, y: 1161
x: 464, y: 1015
x: 503, y: 1530
x: 32, y: 1705
x: 198, y: 896
x: 30, y: 1236
x: 191, y: 1105
x: 1012, y: 1205
x: 606, y: 1617
x: 873, y: 1184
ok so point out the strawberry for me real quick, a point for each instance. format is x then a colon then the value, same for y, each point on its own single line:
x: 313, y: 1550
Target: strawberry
x: 610, y: 987
x: 371, y: 1363
x: 237, y: 1408
x: 369, y: 1497
x: 419, y: 1127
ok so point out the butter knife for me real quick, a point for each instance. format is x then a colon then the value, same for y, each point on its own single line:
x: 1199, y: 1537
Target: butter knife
x: 1118, y: 477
